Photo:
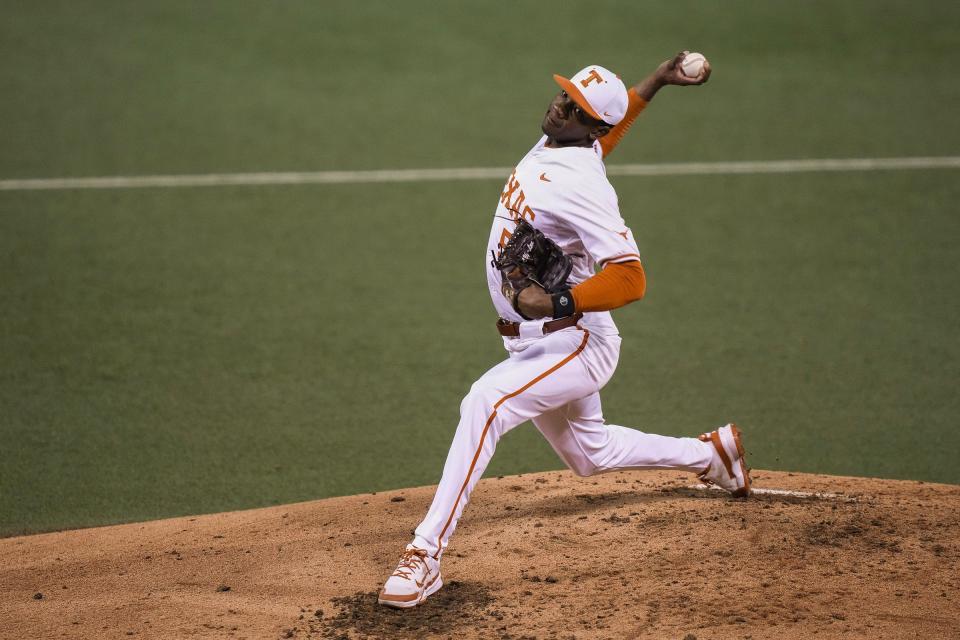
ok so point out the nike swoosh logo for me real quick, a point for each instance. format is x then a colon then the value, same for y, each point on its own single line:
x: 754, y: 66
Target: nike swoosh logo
x: 622, y: 233
x: 543, y: 176
x: 606, y: 114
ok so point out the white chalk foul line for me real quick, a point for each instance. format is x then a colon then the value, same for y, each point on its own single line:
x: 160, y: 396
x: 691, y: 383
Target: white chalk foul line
x: 783, y: 492
x: 474, y: 173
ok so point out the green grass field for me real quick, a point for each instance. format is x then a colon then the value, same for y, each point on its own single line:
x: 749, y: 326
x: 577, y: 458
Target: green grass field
x: 188, y: 350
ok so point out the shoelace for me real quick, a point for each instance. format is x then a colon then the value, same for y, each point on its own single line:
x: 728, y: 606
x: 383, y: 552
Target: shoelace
x: 409, y: 561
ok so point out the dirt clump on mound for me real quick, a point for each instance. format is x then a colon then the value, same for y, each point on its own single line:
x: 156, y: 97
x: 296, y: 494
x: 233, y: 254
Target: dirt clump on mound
x: 456, y: 605
x: 546, y: 556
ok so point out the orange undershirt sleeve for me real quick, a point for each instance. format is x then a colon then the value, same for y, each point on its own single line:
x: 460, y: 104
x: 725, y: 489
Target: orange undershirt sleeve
x: 635, y: 104
x: 616, y: 285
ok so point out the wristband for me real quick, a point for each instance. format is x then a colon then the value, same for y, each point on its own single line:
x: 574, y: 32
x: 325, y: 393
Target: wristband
x: 563, y: 304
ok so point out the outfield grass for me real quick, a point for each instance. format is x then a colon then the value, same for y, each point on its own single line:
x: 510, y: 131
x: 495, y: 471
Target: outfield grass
x: 108, y: 88
x: 190, y: 350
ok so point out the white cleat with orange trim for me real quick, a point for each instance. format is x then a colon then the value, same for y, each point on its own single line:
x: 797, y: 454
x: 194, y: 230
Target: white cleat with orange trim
x: 728, y: 469
x: 417, y: 577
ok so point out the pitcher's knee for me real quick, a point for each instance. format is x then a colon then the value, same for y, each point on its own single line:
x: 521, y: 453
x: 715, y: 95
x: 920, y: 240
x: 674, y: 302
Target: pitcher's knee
x: 593, y: 456
x: 584, y: 468
x: 481, y: 398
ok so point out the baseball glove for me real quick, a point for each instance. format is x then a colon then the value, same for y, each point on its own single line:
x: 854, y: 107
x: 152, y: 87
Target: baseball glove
x: 530, y: 257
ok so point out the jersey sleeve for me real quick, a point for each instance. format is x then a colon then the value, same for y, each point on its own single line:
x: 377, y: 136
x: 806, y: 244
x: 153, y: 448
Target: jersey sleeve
x: 594, y: 215
x: 617, y: 285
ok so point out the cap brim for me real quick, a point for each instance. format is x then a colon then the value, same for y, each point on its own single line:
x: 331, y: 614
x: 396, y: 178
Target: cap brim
x: 574, y: 93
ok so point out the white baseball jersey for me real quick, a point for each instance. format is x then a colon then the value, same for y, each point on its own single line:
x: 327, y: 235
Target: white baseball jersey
x: 563, y: 192
x: 553, y: 380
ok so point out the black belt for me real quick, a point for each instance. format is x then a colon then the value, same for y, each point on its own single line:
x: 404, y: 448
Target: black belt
x: 512, y: 329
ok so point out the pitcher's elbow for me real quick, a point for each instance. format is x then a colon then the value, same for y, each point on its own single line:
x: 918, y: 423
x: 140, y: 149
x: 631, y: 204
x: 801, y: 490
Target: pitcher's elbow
x: 638, y: 281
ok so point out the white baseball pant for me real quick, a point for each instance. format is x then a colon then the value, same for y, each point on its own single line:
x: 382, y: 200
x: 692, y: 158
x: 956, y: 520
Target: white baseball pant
x: 555, y: 382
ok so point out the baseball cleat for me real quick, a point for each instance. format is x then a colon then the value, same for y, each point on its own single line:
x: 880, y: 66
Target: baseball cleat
x: 728, y: 469
x: 417, y: 577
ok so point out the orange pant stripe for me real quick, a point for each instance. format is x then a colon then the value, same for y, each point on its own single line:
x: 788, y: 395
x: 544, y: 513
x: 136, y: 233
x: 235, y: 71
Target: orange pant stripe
x: 486, y: 427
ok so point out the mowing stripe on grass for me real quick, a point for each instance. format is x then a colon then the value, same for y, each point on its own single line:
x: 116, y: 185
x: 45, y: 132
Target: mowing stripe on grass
x: 473, y: 173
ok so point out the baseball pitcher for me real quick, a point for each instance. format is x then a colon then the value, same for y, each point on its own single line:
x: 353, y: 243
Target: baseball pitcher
x: 558, y: 259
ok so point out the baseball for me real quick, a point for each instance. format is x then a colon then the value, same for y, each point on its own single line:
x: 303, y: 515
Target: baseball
x: 692, y: 65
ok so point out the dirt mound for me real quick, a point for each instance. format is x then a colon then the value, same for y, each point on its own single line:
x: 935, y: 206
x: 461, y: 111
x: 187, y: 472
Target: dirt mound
x: 625, y: 555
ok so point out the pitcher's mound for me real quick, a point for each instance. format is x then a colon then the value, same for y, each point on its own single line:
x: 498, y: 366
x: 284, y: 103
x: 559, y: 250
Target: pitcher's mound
x: 624, y: 555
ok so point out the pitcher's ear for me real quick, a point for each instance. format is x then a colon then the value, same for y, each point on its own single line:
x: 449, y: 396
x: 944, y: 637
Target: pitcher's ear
x: 599, y: 131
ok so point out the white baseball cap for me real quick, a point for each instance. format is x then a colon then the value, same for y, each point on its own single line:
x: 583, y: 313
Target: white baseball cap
x: 599, y: 91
